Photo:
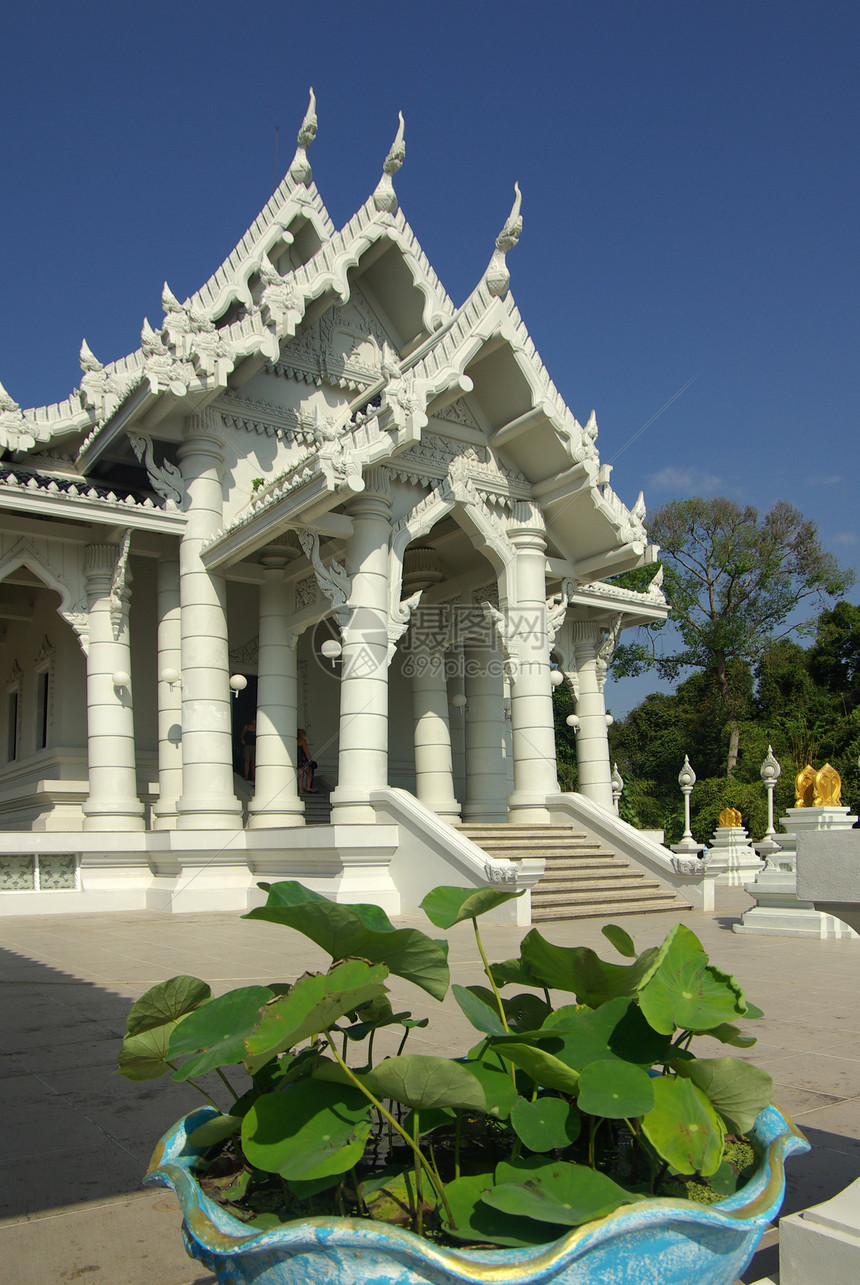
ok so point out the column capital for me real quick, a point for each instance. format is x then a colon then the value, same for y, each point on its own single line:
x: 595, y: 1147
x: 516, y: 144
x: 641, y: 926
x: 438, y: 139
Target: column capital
x: 203, y: 432
x: 273, y: 566
x: 370, y: 504
x: 586, y: 633
x: 527, y: 529
x: 100, y: 559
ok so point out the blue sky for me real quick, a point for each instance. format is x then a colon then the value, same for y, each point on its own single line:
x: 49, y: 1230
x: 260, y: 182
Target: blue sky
x: 690, y: 196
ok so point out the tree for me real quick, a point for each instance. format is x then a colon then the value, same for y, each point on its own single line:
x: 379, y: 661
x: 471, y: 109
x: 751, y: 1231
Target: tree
x: 834, y: 657
x: 733, y: 580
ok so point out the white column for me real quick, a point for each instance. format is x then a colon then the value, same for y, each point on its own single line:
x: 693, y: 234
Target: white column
x: 533, y: 729
x: 592, y: 744
x: 486, y: 777
x: 363, y: 736
x: 276, y: 801
x: 169, y: 695
x: 113, y: 802
x: 456, y: 683
x: 434, y: 786
x: 208, y: 799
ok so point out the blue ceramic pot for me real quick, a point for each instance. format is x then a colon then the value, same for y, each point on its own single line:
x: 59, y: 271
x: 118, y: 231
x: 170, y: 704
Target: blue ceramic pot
x: 654, y: 1242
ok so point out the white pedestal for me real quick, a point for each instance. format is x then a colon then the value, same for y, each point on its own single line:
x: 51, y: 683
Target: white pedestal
x: 821, y: 1245
x: 778, y: 909
x: 732, y: 859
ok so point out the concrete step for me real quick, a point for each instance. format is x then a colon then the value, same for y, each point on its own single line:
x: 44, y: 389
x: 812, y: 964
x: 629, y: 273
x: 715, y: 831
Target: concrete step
x: 567, y: 869
x: 588, y: 883
x: 581, y: 880
x: 608, y: 910
x: 521, y: 832
x: 595, y: 890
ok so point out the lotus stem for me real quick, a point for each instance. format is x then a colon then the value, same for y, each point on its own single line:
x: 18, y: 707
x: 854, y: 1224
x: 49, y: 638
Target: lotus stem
x: 359, y: 1198
x: 419, y: 1190
x: 489, y: 973
x: 223, y: 1077
x: 410, y: 1142
x: 198, y: 1087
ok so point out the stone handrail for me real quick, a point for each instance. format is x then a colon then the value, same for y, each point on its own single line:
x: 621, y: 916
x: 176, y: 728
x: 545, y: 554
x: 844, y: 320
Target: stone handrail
x: 431, y: 853
x: 685, y: 875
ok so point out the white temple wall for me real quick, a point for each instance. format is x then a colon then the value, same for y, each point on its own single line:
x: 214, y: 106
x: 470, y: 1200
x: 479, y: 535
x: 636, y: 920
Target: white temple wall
x: 258, y: 442
x: 42, y: 651
x: 143, y: 617
x: 45, y: 632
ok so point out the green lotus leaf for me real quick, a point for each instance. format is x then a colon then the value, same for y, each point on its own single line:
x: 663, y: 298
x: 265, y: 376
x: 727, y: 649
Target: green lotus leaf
x: 545, y: 1124
x: 481, y: 1012
x: 617, y: 1029
x: 580, y: 970
x: 313, y: 1005
x: 525, y: 1011
x: 683, y: 1127
x: 544, y: 1068
x: 621, y: 940
x: 360, y: 931
x: 424, y: 1082
x: 214, y: 1034
x: 144, y: 1056
x: 475, y: 1221
x: 684, y: 991
x: 376, y: 1014
x: 499, y: 1088
x: 447, y: 906
x: 428, y: 1121
x: 738, y: 1090
x: 215, y: 1130
x: 513, y: 972
x: 311, y: 1131
x: 728, y: 1033
x: 557, y: 1192
x: 167, y: 1002
x: 616, y: 1090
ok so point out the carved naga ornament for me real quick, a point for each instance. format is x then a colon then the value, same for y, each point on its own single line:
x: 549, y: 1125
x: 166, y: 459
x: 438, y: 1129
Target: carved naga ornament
x: 497, y: 276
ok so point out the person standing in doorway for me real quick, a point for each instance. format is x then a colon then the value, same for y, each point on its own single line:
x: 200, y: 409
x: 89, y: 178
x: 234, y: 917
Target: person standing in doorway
x: 248, y: 741
x: 306, y: 764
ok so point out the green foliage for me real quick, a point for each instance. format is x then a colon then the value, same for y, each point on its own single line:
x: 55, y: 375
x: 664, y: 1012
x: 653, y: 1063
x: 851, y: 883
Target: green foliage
x: 733, y: 579
x: 498, y: 1146
x: 802, y: 702
x: 563, y: 706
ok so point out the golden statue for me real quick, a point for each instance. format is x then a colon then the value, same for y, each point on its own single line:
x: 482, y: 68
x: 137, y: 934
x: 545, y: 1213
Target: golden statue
x: 730, y: 817
x: 827, y: 790
x: 804, y: 787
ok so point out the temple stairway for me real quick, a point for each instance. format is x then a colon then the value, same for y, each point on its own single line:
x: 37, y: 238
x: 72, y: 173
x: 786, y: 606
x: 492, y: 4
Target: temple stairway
x: 582, y: 879
x: 318, y: 806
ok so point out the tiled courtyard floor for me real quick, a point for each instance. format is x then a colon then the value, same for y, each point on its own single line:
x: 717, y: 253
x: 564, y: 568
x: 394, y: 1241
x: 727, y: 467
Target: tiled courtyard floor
x: 77, y: 1137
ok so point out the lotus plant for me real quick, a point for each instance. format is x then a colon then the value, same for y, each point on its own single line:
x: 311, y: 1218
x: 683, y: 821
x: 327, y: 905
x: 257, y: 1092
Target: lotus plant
x: 558, y: 1113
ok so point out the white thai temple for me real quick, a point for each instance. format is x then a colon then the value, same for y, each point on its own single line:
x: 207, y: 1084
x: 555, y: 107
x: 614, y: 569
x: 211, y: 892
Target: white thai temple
x: 322, y: 495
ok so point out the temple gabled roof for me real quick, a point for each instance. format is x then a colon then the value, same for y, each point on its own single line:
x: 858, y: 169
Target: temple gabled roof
x: 289, y: 268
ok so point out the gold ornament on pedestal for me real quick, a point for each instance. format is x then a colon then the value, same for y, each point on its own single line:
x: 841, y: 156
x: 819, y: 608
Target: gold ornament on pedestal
x: 827, y: 789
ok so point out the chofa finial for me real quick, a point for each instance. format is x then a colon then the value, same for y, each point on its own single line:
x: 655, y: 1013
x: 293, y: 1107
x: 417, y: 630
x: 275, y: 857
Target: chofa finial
x: 300, y: 170
x: 385, y: 198
x: 169, y: 301
x: 497, y: 276
x: 90, y: 364
x: 7, y: 403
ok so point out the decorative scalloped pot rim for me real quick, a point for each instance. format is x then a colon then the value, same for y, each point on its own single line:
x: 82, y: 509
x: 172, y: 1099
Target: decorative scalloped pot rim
x: 654, y: 1242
